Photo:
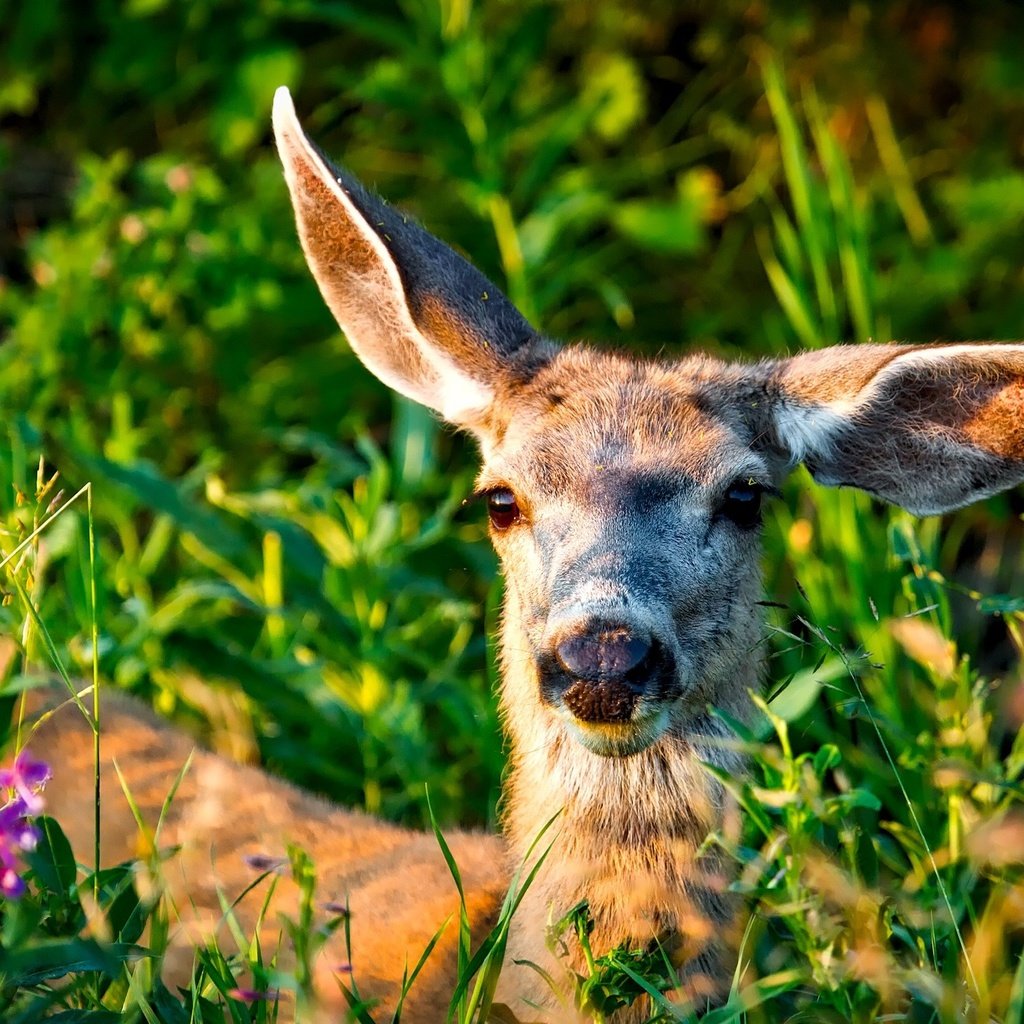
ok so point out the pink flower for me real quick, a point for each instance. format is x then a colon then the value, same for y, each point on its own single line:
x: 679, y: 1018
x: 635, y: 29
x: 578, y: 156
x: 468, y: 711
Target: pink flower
x: 23, y: 782
x: 12, y: 885
x: 26, y: 778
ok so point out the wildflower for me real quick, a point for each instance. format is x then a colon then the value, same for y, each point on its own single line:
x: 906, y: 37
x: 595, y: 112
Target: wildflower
x: 26, y: 778
x: 12, y: 885
x: 342, y: 968
x: 23, y: 782
x: 16, y: 831
x: 251, y: 995
x: 336, y: 908
x: 264, y: 862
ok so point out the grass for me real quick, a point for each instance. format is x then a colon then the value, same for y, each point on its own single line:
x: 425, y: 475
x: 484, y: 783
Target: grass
x: 878, y: 852
x: 244, y: 558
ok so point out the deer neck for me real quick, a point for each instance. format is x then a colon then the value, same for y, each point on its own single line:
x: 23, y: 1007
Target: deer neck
x: 665, y: 790
x: 627, y: 832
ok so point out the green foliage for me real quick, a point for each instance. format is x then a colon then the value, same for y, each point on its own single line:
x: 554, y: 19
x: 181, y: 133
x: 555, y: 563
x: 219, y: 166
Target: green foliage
x: 616, y: 979
x: 275, y: 534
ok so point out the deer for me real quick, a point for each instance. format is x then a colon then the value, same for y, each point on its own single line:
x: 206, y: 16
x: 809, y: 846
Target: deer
x: 624, y: 498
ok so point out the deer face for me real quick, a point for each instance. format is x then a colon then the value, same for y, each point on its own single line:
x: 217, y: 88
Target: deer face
x: 627, y: 516
x: 624, y: 495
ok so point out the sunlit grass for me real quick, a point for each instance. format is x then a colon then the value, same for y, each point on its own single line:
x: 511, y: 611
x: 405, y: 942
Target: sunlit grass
x: 244, y: 569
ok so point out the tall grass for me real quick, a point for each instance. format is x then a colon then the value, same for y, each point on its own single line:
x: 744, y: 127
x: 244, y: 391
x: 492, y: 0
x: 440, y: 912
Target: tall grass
x: 274, y: 533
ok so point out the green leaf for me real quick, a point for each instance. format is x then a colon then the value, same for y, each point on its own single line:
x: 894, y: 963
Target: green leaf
x: 86, y: 1017
x: 21, y: 919
x: 858, y: 798
x: 615, y: 88
x: 126, y: 914
x: 665, y: 225
x: 239, y: 119
x: 47, y: 961
x: 52, y: 861
x: 799, y: 696
x: 828, y: 756
x: 152, y: 489
x: 1001, y: 604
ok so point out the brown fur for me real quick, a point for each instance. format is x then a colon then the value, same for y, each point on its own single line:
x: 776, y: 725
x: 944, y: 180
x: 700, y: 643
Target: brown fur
x: 394, y: 880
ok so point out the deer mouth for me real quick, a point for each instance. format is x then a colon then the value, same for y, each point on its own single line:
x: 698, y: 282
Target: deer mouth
x: 620, y: 739
x: 609, y: 717
x: 602, y: 702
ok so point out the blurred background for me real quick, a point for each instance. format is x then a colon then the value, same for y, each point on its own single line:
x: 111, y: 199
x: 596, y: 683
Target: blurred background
x: 283, y: 563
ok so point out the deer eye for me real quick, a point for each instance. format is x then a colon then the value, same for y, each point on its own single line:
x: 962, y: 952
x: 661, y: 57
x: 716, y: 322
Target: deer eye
x: 503, y: 509
x: 742, y: 503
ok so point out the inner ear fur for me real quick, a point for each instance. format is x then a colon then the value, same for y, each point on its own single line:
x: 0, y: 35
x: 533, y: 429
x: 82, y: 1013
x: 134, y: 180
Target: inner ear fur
x: 930, y: 428
x: 422, y: 319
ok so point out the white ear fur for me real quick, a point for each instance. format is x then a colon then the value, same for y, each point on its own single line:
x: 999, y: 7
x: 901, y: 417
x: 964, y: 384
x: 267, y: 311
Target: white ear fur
x: 370, y: 305
x: 806, y: 429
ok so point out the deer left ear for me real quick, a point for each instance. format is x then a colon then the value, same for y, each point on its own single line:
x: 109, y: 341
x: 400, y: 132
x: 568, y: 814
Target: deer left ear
x: 421, y: 318
x: 930, y: 428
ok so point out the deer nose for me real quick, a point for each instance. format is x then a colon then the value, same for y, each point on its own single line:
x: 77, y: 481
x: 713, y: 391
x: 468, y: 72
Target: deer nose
x: 605, y: 667
x: 603, y: 654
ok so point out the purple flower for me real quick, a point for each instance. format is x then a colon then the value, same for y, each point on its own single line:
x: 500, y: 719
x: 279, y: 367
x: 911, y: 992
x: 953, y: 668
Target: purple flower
x: 250, y: 995
x: 15, y: 828
x: 26, y: 778
x: 264, y: 862
x: 12, y: 885
x: 23, y: 782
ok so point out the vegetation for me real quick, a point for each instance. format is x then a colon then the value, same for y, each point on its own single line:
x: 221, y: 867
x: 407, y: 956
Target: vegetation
x: 267, y: 530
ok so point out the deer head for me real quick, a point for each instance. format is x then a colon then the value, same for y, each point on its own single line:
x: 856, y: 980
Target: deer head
x: 624, y: 495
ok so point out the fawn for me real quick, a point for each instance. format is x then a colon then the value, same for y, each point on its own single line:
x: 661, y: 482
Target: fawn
x: 624, y: 499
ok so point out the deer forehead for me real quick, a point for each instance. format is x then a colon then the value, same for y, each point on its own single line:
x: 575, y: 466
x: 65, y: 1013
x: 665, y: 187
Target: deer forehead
x: 599, y: 428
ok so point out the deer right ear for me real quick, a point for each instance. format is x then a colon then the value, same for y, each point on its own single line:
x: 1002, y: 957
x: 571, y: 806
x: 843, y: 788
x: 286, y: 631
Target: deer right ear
x: 421, y: 318
x: 930, y: 428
